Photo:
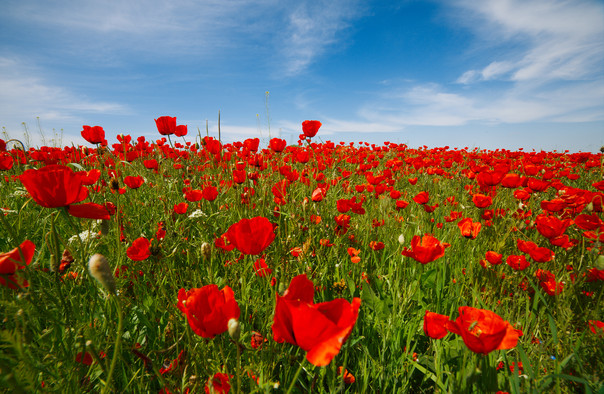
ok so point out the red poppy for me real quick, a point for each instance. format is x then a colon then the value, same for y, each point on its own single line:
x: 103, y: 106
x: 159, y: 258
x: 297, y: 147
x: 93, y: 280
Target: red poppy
x: 218, y: 384
x: 89, y: 210
x: 518, y: 263
x: 310, y: 127
x: 193, y: 195
x: 140, y: 249
x: 208, y: 309
x: 319, y: 329
x: 166, y: 125
x: 484, y: 331
x: 469, y: 228
x: 151, y: 164
x: 422, y: 198
x: 261, y: 268
x: 550, y: 226
x: 209, y: 193
x: 425, y: 249
x: 318, y: 194
x: 94, y: 135
x: 54, y: 186
x: 435, y: 325
x: 251, y: 236
x: 596, y: 326
x: 482, y: 201
x: 239, y: 176
x: 277, y: 144
x: 494, y: 257
x: 6, y: 162
x: 134, y: 182
x: 181, y: 130
x: 181, y: 208
x: 12, y: 261
x: 511, y: 181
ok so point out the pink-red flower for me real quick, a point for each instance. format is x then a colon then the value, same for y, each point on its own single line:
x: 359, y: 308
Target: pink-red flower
x: 208, y: 309
x: 319, y: 329
x: 166, y: 125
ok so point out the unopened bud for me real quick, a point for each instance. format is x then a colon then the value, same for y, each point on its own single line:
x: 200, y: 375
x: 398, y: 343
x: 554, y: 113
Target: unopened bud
x: 206, y: 250
x: 100, y: 270
x: 234, y: 329
x: 401, y: 239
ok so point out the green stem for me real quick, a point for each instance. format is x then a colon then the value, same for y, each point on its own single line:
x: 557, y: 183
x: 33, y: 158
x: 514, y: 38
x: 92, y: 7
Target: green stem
x: 118, y: 342
x: 293, y: 383
x: 238, y: 388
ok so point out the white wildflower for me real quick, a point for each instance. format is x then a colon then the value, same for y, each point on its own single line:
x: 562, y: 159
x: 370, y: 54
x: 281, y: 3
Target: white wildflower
x: 85, y: 236
x: 198, y: 213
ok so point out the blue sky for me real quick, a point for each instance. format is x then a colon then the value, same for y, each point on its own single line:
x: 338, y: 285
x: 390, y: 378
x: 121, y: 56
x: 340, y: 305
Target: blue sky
x: 490, y: 74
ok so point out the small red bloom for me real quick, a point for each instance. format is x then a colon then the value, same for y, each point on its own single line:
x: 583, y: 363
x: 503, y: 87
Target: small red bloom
x: 208, y: 309
x: 261, y: 268
x: 251, y: 236
x: 435, y: 325
x: 166, y: 125
x: 277, y: 144
x: 319, y: 329
x: 494, y: 257
x: 140, y: 249
x: 518, y: 263
x: 218, y: 384
x: 482, y: 201
x: 134, y: 182
x: 469, y: 228
x: 483, y: 331
x: 422, y: 198
x: 425, y: 249
x: 11, y: 261
x: 181, y: 208
x: 94, y: 135
x: 310, y: 127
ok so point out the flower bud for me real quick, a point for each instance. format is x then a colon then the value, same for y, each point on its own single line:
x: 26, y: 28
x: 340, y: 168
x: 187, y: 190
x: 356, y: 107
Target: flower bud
x: 100, y: 270
x: 206, y: 250
x: 401, y: 239
x: 234, y: 329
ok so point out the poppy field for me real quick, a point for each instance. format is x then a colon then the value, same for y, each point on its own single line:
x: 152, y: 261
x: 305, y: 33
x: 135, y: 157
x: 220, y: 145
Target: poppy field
x: 189, y: 265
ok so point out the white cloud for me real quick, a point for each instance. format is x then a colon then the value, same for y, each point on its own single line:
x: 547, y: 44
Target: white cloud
x: 558, y: 40
x: 313, y: 27
x: 24, y: 94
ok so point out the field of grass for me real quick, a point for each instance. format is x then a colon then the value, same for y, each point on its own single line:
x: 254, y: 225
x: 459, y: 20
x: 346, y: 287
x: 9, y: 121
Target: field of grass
x: 409, y: 270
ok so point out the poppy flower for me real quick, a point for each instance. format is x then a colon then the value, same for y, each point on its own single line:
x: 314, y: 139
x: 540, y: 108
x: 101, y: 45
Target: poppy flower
x: 518, y: 263
x: 134, y: 182
x: 482, y: 201
x: 310, y: 128
x: 89, y: 210
x: 318, y: 194
x: 6, y: 162
x: 277, y: 144
x: 422, y: 198
x: 483, y: 331
x: 469, y: 228
x: 347, y: 376
x: 550, y: 226
x: 139, y: 250
x: 12, y: 261
x: 218, y: 384
x: 251, y: 236
x: 181, y: 208
x: 596, y: 326
x: 208, y: 309
x: 425, y: 249
x: 493, y: 257
x: 166, y: 125
x: 209, y: 193
x: 54, y: 186
x: 181, y: 130
x: 435, y: 325
x: 94, y: 134
x: 319, y: 329
x: 261, y: 268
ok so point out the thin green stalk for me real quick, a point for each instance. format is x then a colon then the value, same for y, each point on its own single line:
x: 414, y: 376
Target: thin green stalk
x: 118, y: 342
x: 293, y: 383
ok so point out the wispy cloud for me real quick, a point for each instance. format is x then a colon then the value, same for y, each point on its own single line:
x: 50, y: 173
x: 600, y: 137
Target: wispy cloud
x: 24, y: 95
x: 561, y: 40
x: 314, y: 27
